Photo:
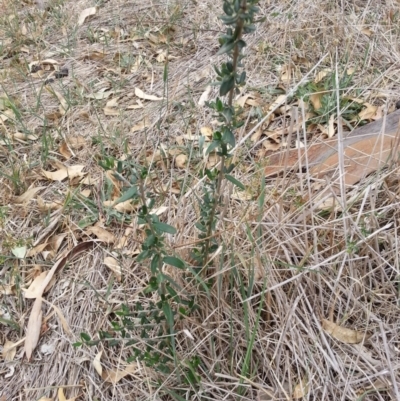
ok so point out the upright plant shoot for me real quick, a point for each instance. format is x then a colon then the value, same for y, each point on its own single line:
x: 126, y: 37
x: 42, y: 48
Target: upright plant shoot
x: 239, y: 19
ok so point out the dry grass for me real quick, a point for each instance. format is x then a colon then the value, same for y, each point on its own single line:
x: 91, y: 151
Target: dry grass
x: 308, y: 265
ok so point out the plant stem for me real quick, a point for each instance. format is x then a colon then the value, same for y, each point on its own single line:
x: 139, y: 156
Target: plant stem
x: 217, y: 193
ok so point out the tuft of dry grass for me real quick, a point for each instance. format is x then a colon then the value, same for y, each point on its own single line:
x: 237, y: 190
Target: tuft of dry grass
x: 293, y: 283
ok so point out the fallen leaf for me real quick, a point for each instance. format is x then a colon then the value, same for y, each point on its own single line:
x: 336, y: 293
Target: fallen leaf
x: 206, y: 131
x: 35, y: 289
x: 60, y: 315
x: 114, y: 266
x: 286, y: 72
x: 111, y: 108
x: 281, y: 99
x: 101, y: 233
x: 181, y: 161
x: 343, y: 334
x: 114, y: 376
x: 322, y: 74
x: 59, y: 175
x: 300, y: 390
x: 315, y: 100
x: 122, y: 207
x: 61, y: 396
x: 97, y: 363
x: 35, y: 318
x: 85, y: 14
x: 33, y: 328
x: 204, y: 96
x: 28, y: 195
x: 367, y: 31
x: 368, y: 113
x: 19, y: 252
x: 65, y: 150
x: 9, y: 351
x: 139, y: 93
x: 47, y: 206
x: 101, y: 94
x: 142, y: 125
x: 24, y: 137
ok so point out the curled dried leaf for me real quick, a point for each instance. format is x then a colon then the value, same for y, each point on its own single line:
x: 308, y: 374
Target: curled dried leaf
x: 343, y: 334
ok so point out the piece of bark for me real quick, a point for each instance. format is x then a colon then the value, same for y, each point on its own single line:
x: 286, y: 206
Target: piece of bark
x: 366, y: 149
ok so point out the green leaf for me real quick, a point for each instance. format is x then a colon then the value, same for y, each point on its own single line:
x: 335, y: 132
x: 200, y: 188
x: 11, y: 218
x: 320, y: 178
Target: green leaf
x: 165, y: 75
x: 226, y: 48
x: 165, y: 228
x: 131, y: 193
x: 174, y: 261
x: 155, y: 263
x: 85, y: 337
x: 226, y: 86
x: 234, y: 181
x: 168, y: 315
x: 212, y: 146
x: 228, y: 20
x: 228, y: 137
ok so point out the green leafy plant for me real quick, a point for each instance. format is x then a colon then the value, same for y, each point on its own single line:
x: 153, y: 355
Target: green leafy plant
x: 328, y: 98
x: 239, y: 18
x: 136, y: 326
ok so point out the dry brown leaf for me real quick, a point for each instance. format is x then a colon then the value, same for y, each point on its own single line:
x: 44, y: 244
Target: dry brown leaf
x: 140, y: 94
x: 28, y: 195
x: 47, y: 206
x: 300, y: 390
x: 315, y: 100
x: 61, y: 174
x: 35, y: 289
x: 367, y: 31
x: 24, y: 137
x: 101, y: 233
x: 322, y: 74
x: 35, y: 318
x: 85, y: 14
x: 122, y: 207
x: 204, y: 96
x: 343, y: 334
x: 145, y: 123
x: 9, y: 351
x: 280, y: 99
x: 114, y: 376
x: 33, y: 328
x: 65, y: 150
x: 114, y: 266
x: 86, y: 193
x: 286, y: 73
x: 181, y: 161
x: 368, y: 113
x: 206, y: 131
x: 242, y: 100
x: 101, y: 94
x: 63, y: 103
x: 7, y: 289
x: 60, y: 315
x: 111, y: 108
x: 271, y: 145
x: 95, y: 55
x: 138, y: 105
x: 329, y: 129
x: 61, y: 396
x: 212, y: 161
x: 97, y: 363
